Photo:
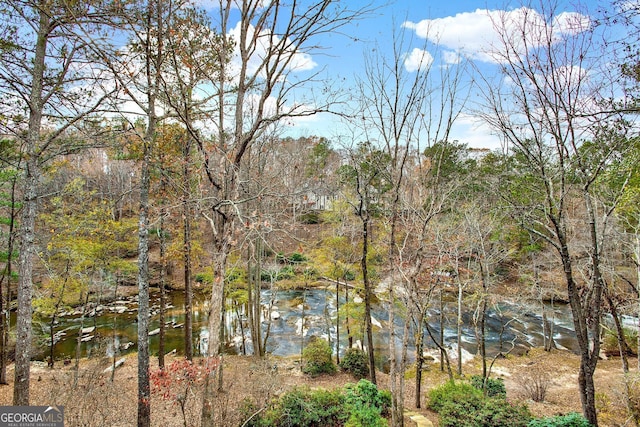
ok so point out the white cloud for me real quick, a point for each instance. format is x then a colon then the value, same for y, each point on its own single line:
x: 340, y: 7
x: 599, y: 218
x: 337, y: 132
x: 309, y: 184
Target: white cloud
x: 451, y: 57
x: 475, y: 133
x: 475, y: 35
x: 297, y: 61
x: 571, y: 23
x: 417, y: 60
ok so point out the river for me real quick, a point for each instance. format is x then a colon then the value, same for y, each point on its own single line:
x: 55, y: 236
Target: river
x: 114, y: 328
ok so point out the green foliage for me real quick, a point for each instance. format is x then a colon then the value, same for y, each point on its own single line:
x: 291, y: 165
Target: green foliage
x: 572, y: 419
x: 451, y: 391
x: 356, y: 362
x: 357, y: 405
x: 287, y: 272
x: 294, y: 258
x: 235, y: 275
x: 4, y: 256
x: 449, y: 159
x: 610, y: 340
x: 463, y: 405
x: 349, y: 275
x: 367, y: 404
x: 495, y: 386
x: 203, y: 277
x: 474, y: 411
x: 317, y: 358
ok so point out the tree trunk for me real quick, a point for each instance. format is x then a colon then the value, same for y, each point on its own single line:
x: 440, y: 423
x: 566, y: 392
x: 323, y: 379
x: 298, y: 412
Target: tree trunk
x: 637, y: 259
x: 144, y: 403
x: 27, y: 223
x: 257, y: 300
x: 587, y: 367
x: 459, y: 330
x: 79, y: 338
x: 337, y: 321
x: 215, y: 322
x: 367, y: 299
x: 163, y: 278
x: 441, y: 321
x: 186, y: 228
x: 419, y: 358
x: 346, y: 315
x: 5, y: 296
x: 396, y: 406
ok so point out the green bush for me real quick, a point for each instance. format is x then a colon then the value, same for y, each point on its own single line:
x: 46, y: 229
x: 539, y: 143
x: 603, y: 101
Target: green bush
x: 294, y: 258
x: 366, y: 404
x: 572, y: 419
x: 495, y: 386
x: 460, y: 404
x: 203, y: 277
x: 302, y: 407
x: 451, y: 391
x: 349, y: 275
x: 317, y: 358
x: 474, y: 411
x: 356, y: 362
x: 356, y: 405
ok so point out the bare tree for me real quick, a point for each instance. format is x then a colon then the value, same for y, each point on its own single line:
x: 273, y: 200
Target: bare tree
x: 545, y: 114
x: 403, y: 107
x: 250, y: 93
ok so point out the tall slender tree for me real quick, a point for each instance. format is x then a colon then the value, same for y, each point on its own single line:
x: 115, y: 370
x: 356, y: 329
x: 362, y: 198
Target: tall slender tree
x: 544, y: 116
x: 45, y: 95
x: 270, y: 42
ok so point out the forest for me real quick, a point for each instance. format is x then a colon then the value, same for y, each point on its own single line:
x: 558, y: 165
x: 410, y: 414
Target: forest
x: 148, y: 183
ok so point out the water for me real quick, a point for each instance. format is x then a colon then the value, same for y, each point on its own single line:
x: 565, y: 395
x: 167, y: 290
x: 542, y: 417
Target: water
x: 116, y: 327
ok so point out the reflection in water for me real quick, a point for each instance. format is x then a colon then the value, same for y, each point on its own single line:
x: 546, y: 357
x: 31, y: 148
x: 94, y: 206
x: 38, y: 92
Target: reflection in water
x: 116, y: 327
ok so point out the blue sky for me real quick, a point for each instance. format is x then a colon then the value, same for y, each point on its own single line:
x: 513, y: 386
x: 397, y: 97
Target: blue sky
x: 462, y: 26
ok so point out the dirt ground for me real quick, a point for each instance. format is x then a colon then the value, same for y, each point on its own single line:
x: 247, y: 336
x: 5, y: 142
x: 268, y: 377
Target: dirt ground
x: 94, y: 400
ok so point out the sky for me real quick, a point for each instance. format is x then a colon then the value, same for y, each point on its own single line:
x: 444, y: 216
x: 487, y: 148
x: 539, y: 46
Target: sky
x: 463, y: 27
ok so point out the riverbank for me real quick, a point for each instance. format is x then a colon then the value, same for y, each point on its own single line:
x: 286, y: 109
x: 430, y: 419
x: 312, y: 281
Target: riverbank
x: 95, y: 400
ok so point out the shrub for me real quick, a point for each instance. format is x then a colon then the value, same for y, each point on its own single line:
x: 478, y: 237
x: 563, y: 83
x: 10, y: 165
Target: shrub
x: 461, y: 404
x: 535, y: 382
x: 203, y: 277
x: 495, y: 386
x: 302, y: 407
x: 475, y: 411
x: 451, y: 391
x: 317, y: 358
x: 366, y: 404
x: 356, y: 405
x: 356, y: 362
x: 294, y: 258
x: 572, y: 419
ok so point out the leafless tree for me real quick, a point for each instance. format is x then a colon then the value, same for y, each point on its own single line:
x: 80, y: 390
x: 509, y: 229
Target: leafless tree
x: 405, y: 108
x: 251, y: 92
x: 546, y: 111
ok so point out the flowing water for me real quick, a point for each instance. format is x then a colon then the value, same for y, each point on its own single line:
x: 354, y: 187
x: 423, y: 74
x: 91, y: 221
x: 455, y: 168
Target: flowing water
x: 114, y: 328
